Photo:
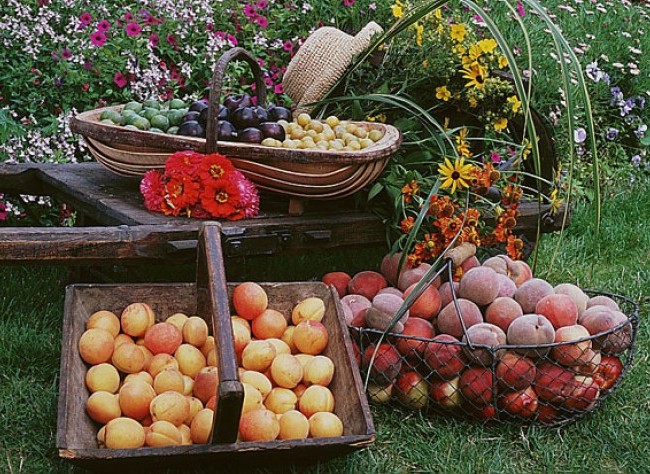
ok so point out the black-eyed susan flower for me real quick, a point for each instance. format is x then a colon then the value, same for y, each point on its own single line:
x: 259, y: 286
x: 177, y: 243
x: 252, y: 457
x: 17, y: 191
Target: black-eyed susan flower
x: 476, y: 75
x: 456, y: 175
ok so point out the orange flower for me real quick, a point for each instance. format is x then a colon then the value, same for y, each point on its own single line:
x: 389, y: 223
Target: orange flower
x: 472, y: 217
x: 442, y: 206
x: 409, y: 190
x: 486, y: 177
x: 511, y: 195
x: 515, y: 247
x: 407, y: 224
x: 449, y: 226
x: 470, y: 234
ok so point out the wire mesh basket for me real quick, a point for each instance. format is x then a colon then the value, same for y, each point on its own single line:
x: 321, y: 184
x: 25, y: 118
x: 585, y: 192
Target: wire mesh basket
x: 471, y: 368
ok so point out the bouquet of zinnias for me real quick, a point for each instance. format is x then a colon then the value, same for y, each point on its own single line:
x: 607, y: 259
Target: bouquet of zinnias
x: 198, y: 185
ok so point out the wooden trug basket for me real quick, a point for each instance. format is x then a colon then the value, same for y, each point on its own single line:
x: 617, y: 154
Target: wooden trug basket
x: 313, y: 174
x: 209, y: 298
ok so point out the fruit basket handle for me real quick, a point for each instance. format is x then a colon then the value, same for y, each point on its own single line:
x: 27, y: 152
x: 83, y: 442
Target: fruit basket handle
x: 215, y: 91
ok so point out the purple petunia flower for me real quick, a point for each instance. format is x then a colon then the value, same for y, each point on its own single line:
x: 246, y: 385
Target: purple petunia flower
x: 611, y: 134
x: 55, y: 56
x: 627, y: 107
x: 119, y: 79
x: 261, y: 21
x: 98, y: 39
x: 640, y: 101
x: 133, y: 29
x: 579, y: 135
x: 636, y: 159
x: 103, y: 26
x: 616, y: 92
x: 640, y: 131
x: 85, y: 19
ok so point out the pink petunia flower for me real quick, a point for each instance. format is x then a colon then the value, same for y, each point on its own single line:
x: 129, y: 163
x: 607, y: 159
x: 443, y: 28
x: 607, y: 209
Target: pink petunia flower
x: 261, y: 4
x: 261, y: 21
x: 85, y: 19
x: 133, y: 29
x: 128, y: 17
x: 66, y: 54
x: 119, y: 79
x: 103, y: 26
x: 348, y: 3
x: 278, y: 89
x: 520, y: 9
x: 249, y: 11
x: 171, y: 39
x: 287, y: 46
x: 3, y: 211
x: 98, y: 39
x: 231, y: 40
x: 154, y: 40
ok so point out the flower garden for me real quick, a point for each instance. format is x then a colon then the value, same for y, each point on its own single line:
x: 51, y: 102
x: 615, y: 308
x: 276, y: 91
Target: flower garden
x: 498, y: 103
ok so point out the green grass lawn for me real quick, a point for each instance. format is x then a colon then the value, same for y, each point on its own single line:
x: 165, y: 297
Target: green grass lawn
x: 612, y: 439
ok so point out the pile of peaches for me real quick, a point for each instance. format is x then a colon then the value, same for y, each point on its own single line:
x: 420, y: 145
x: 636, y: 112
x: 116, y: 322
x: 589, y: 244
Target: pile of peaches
x: 525, y: 349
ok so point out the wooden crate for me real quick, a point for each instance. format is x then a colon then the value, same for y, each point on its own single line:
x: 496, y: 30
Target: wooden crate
x: 208, y: 297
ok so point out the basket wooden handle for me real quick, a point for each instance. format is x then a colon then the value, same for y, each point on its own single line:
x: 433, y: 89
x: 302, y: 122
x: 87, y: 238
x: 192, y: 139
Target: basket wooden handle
x: 215, y: 91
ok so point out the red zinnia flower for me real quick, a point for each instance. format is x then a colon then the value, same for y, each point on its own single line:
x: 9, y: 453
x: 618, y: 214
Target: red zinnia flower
x: 98, y: 39
x: 133, y: 29
x: 183, y: 162
x: 152, y: 189
x: 213, y: 168
x: 221, y: 198
x: 182, y: 192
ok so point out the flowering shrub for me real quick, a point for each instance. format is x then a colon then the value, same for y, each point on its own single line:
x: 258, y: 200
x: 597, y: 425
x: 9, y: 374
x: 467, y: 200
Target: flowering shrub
x: 203, y: 186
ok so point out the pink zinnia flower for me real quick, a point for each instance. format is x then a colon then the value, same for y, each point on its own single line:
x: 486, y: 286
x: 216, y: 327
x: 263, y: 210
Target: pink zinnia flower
x: 133, y: 29
x: 103, y: 26
x: 287, y: 46
x: 249, y: 201
x: 98, y: 39
x: 262, y: 22
x: 153, y: 40
x: 153, y: 190
x: 85, y: 19
x: 119, y: 79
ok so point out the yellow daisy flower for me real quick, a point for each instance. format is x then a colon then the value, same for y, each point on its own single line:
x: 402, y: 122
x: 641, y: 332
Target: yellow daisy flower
x: 397, y: 10
x: 487, y: 45
x: 515, y: 103
x: 476, y: 75
x: 443, y: 93
x: 419, y: 34
x: 458, y: 32
x: 555, y: 203
x: 501, y: 124
x: 456, y: 175
x: 503, y: 62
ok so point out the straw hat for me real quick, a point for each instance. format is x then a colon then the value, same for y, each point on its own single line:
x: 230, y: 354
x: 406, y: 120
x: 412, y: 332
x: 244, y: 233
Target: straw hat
x: 321, y: 61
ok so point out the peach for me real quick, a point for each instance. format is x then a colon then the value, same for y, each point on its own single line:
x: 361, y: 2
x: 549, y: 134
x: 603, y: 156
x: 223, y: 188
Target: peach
x: 135, y: 397
x: 160, y: 362
x: 258, y: 355
x: 103, y: 407
x: 479, y: 285
x: 339, y: 280
x: 553, y: 383
x: 379, y: 393
x: 201, y: 426
x: 530, y: 292
x: 414, y: 328
x: 314, y: 399
x: 470, y: 263
x: 382, y: 311
x: 531, y: 330
x: 476, y: 385
x: 589, y: 365
x: 241, y: 334
x: 163, y: 433
x: 445, y: 292
x: 249, y: 300
x: 208, y: 346
x: 524, y: 274
x: 507, y: 287
x: 559, y: 309
x: 190, y: 359
x: 123, y: 433
x: 502, y: 312
x: 141, y: 376
x: 259, y: 425
x: 427, y: 305
x: 169, y: 379
x: 252, y: 398
x: 163, y: 337
x: 444, y: 355
x: 286, y: 370
x: 310, y: 337
x: 546, y: 414
x: 412, y: 390
x: 584, y: 394
x: 358, y: 305
x: 104, y: 320
x: 170, y: 406
x: 501, y: 264
x: 608, y: 372
x: 409, y: 276
x: 195, y: 331
x: 206, y: 383
x: 122, y: 338
x: 178, y: 320
x: 575, y: 347
x: 102, y: 377
x: 293, y: 425
x: 269, y: 324
x: 367, y: 283
x: 195, y: 407
x: 484, y: 334
x: 128, y: 358
x: 391, y: 290
x: 448, y: 320
x: 318, y: 371
x: 389, y: 267
x: 599, y: 308
x: 575, y: 293
x: 523, y: 403
x: 309, y: 309
x: 386, y: 365
x: 287, y: 338
x: 324, y: 425
x: 96, y: 346
x: 604, y: 301
x: 347, y: 313
x: 136, y: 318
x: 280, y: 400
x: 515, y: 371
x: 445, y: 393
x: 614, y: 342
x: 258, y: 380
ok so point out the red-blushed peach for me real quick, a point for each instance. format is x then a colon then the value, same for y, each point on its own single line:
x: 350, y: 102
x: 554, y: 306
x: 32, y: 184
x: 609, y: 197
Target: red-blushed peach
x: 608, y: 372
x: 507, y: 287
x: 386, y: 364
x: 444, y: 355
x: 559, y: 309
x: 414, y: 328
x: 96, y: 346
x: 476, y: 385
x: 445, y: 393
x: 531, y: 330
x: 201, y: 426
x: 286, y: 371
x: 445, y: 292
x: 389, y: 267
x: 427, y: 305
x: 136, y: 318
x: 382, y: 311
x: 530, y: 292
x: 309, y: 309
x: 310, y: 337
x: 128, y: 358
x: 319, y: 371
x: 470, y: 263
x: 102, y: 377
x: 103, y: 407
x: 604, y: 301
x: 575, y: 345
x: 575, y: 293
x: 589, y: 364
x: 483, y: 334
x: 161, y: 362
x: 367, y: 283
x: 515, y: 371
x: 206, y: 382
x: 358, y: 305
x: 135, y: 397
x: 499, y: 263
x: 409, y: 276
x: 523, y: 403
x: 249, y: 300
x: 502, y: 312
x: 599, y: 308
x: 614, y: 342
x: 448, y: 320
x: 293, y: 425
x: 412, y: 390
x: 104, y: 320
x: 163, y: 433
x: 339, y: 280
x: 379, y: 394
x: 553, y: 383
x: 316, y: 398
x: 325, y: 425
x: 270, y: 323
x: 584, y: 394
x: 163, y: 337
x: 479, y: 285
x: 123, y: 433
x: 258, y: 355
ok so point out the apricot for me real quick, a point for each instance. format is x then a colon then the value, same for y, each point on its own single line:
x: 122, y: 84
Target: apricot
x: 178, y: 320
x: 96, y: 346
x: 386, y: 364
x: 476, y: 385
x: 252, y: 398
x: 530, y: 292
x: 479, y: 285
x: 258, y: 380
x: 195, y: 407
x: 286, y: 371
x: 575, y: 293
x: 444, y: 355
x: 325, y: 424
x: 190, y: 359
x: 104, y: 320
x: 170, y: 406
x: 287, y: 338
x: 269, y: 324
x: 309, y: 309
x: 163, y: 337
x: 318, y: 371
x: 241, y: 334
x: 531, y: 330
x: 280, y: 400
x: 212, y: 358
x: 141, y: 376
x: 575, y: 347
x: 124, y: 433
x: 249, y: 300
x: 128, y: 358
x: 559, y: 309
x: 169, y: 379
x: 195, y: 331
x: 122, y: 338
x: 358, y: 305
x: 314, y: 399
x: 310, y: 337
x: 160, y: 362
x: 135, y: 397
x: 515, y: 371
x: 427, y: 305
x: 206, y: 383
x: 258, y: 355
x: 448, y: 320
x: 367, y: 283
x: 201, y: 426
x: 502, y: 312
x: 339, y: 280
x: 304, y: 358
x: 293, y: 425
x: 103, y: 407
x: 484, y: 334
x: 136, y: 318
x: 259, y: 425
x: 102, y: 377
x: 208, y: 346
x: 186, y: 434
x: 163, y: 433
